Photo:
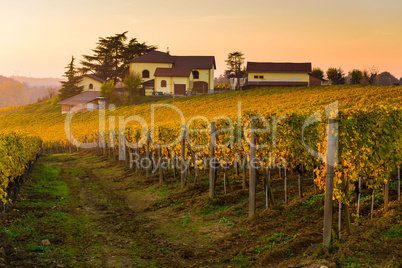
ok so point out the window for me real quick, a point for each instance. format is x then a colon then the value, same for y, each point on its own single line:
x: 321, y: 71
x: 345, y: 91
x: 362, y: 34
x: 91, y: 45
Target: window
x: 261, y: 77
x: 196, y: 75
x: 145, y: 74
x: 163, y: 83
x: 91, y: 86
x: 255, y: 76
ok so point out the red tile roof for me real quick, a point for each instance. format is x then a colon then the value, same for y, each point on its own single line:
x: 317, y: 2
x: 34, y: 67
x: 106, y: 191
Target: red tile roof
x: 279, y: 67
x: 154, y: 57
x: 194, y: 62
x: 172, y: 72
x: 82, y: 98
x: 181, y: 62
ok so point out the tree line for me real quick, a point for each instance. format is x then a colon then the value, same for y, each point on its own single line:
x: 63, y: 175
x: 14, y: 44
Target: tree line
x: 369, y: 76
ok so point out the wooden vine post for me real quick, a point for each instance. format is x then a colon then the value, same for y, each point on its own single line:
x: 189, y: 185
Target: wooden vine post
x: 212, y: 162
x: 285, y: 182
x: 399, y: 183
x: 160, y: 166
x: 104, y: 143
x: 194, y: 161
x: 386, y: 196
x: 136, y: 152
x: 108, y: 143
x: 244, y: 181
x: 372, y: 204
x: 359, y: 195
x: 148, y: 161
x: 183, y: 171
x: 252, y: 182
x: 329, y: 183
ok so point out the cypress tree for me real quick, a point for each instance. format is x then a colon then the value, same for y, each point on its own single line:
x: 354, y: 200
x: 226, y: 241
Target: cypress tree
x: 70, y: 87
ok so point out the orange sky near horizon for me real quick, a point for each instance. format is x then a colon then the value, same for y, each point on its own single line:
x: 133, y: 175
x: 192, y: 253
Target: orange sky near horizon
x: 38, y: 38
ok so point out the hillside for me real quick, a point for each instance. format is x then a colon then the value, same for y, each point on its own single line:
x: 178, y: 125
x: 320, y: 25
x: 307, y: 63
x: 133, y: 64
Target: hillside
x: 85, y: 209
x: 45, y: 119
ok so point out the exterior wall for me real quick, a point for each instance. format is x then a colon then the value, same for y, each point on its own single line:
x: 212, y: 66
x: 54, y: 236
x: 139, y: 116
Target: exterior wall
x: 295, y: 77
x: 211, y: 79
x: 170, y: 81
x: 87, y: 80
x: 90, y: 106
x: 138, y: 67
x: 314, y: 81
x: 206, y: 75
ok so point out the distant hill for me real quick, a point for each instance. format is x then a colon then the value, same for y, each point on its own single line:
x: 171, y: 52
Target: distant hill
x: 22, y: 90
x: 4, y: 79
x: 39, y: 82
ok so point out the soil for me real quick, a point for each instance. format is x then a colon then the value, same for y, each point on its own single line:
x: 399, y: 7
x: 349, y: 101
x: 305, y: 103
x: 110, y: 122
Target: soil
x: 97, y: 213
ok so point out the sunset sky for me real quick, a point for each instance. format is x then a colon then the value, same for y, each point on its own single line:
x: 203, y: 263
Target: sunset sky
x: 38, y: 38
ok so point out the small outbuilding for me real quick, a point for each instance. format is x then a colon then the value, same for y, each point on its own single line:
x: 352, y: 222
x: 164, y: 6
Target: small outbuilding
x: 85, y: 101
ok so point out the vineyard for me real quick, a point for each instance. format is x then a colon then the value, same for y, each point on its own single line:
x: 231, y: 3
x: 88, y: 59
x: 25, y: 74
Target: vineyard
x: 257, y: 141
x: 17, y: 155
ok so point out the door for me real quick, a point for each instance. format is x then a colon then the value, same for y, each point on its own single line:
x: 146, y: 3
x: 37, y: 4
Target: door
x: 180, y: 89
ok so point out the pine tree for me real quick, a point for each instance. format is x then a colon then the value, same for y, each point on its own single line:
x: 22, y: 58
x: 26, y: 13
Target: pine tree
x: 112, y: 55
x: 234, y: 62
x: 70, y: 87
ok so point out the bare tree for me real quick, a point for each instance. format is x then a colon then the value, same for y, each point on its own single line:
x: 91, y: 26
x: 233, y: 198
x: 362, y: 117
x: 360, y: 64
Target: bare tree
x: 369, y: 75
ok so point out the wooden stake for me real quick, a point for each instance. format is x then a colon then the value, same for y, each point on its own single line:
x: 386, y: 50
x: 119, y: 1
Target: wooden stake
x: 372, y: 205
x: 183, y: 170
x: 252, y: 171
x: 194, y: 161
x: 339, y: 220
x: 300, y: 187
x: 244, y: 184
x: 147, y: 157
x: 358, y: 196
x: 285, y: 188
x: 212, y: 162
x: 332, y: 145
x: 315, y: 185
x: 386, y: 196
x: 399, y: 183
x: 161, y: 180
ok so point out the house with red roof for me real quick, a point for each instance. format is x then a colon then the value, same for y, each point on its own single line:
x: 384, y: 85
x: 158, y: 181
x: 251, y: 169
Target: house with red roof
x: 163, y: 73
x: 267, y: 74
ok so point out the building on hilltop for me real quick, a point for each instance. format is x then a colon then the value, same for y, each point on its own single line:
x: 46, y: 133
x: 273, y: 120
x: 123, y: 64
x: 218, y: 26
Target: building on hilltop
x: 91, y: 82
x: 267, y: 74
x: 167, y: 74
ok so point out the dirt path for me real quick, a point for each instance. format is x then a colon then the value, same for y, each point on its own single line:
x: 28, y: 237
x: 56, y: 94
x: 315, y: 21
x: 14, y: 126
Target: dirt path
x: 120, y: 234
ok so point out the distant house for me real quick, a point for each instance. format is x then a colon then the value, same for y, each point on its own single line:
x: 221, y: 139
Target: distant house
x: 266, y: 74
x: 91, y: 82
x: 167, y: 74
x: 85, y: 101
